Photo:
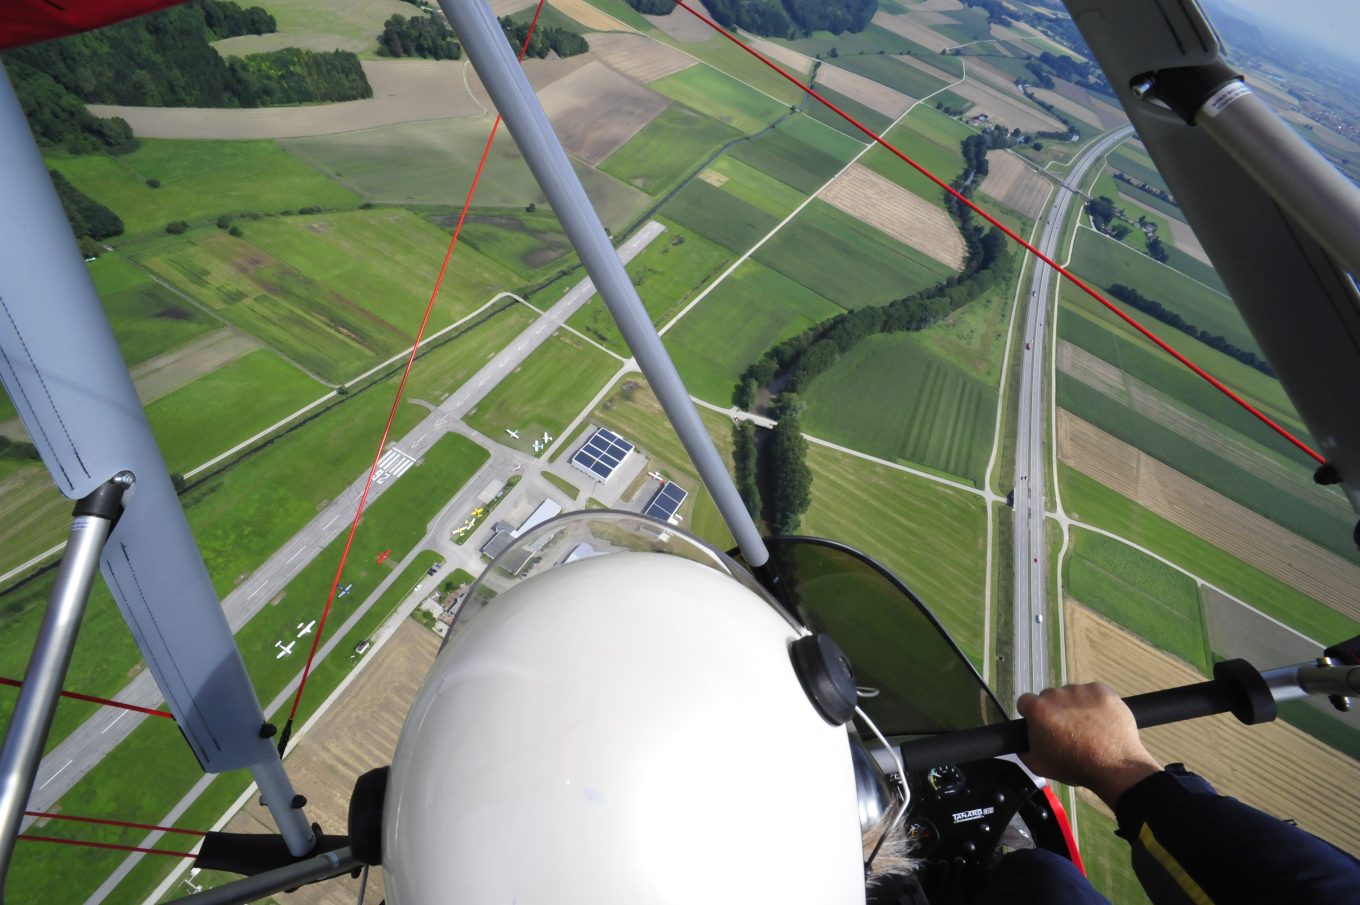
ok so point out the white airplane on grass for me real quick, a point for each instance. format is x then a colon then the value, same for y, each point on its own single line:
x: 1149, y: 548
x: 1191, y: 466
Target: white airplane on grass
x: 538, y: 447
x: 547, y: 438
x: 514, y: 434
x: 284, y: 651
x: 305, y: 629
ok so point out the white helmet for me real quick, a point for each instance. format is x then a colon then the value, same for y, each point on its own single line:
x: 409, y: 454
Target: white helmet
x: 621, y: 729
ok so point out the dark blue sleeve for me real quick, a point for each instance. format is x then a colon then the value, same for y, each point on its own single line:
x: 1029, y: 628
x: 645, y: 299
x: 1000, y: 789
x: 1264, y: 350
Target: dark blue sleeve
x: 1192, y: 845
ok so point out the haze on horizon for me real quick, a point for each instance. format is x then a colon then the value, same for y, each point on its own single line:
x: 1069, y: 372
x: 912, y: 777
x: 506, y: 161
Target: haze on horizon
x: 1333, y: 25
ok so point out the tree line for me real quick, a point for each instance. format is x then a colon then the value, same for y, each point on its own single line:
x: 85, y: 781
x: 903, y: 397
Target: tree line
x: 781, y: 19
x: 91, y: 222
x: 790, y: 366
x: 418, y: 36
x: 546, y: 38
x: 1135, y: 299
x: 164, y: 59
x: 1152, y: 190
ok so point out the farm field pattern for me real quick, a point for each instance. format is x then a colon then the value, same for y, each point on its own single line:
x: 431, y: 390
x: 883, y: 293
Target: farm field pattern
x: 775, y: 217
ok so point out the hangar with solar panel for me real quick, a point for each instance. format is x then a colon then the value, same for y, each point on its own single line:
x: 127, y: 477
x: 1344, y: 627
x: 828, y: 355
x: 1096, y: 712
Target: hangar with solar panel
x: 602, y: 454
x: 667, y: 502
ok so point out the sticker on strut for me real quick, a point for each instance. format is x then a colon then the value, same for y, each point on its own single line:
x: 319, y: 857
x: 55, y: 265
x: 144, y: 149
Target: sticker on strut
x: 1223, y: 97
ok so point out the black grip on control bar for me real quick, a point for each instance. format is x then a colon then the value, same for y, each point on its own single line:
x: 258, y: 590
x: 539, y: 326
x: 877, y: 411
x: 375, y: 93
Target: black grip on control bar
x: 1236, y: 687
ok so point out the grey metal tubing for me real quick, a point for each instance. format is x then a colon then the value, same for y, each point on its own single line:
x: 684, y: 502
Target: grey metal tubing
x: 28, y: 728
x: 277, y: 791
x: 495, y: 62
x: 1299, y: 179
x: 248, y: 889
x: 1290, y: 683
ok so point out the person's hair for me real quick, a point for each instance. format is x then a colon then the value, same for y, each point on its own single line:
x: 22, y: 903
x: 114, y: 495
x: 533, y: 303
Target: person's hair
x: 894, y: 856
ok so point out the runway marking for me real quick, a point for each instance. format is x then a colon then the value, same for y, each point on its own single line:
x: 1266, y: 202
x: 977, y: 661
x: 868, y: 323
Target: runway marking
x: 255, y: 593
x: 483, y: 380
x: 332, y: 521
x: 115, y: 719
x: 56, y: 774
x: 296, y: 554
x: 523, y: 344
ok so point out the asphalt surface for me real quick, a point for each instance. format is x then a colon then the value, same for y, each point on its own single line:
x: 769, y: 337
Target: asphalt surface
x: 1029, y: 658
x: 85, y: 747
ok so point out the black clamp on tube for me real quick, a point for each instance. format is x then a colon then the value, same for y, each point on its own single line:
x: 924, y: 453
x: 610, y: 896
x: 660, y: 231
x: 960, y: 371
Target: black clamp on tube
x: 106, y: 500
x: 1185, y: 89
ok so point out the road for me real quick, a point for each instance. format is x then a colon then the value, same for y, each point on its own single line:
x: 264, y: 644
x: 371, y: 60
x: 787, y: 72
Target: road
x: 1029, y: 657
x: 88, y: 744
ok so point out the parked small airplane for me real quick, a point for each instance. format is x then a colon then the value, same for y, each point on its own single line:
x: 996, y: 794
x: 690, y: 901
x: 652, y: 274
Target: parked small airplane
x: 514, y: 434
x: 284, y: 651
x: 306, y: 629
x: 345, y: 590
x: 547, y: 438
x: 538, y: 447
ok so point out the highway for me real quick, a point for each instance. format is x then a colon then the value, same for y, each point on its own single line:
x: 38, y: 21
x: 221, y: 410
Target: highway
x: 88, y: 744
x: 1029, y: 656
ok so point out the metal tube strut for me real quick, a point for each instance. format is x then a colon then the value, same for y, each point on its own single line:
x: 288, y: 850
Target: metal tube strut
x: 495, y: 62
x: 27, y: 732
x: 248, y: 889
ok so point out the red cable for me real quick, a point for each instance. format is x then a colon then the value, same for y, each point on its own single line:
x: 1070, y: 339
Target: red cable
x: 43, y: 815
x: 109, y: 845
x: 1076, y: 281
x: 15, y: 683
x: 401, y: 387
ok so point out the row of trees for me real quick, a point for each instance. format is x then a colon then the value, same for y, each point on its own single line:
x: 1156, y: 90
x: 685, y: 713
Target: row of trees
x: 1135, y: 299
x: 997, y: 12
x: 418, y: 36
x: 59, y: 119
x: 1154, y: 191
x: 744, y: 454
x: 17, y: 449
x: 91, y: 222
x: 778, y: 18
x: 164, y: 59
x: 546, y: 38
x: 225, y: 19
x: 791, y: 479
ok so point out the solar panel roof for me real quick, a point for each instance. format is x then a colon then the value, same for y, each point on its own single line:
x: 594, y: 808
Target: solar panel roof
x: 666, y: 502
x: 601, y: 454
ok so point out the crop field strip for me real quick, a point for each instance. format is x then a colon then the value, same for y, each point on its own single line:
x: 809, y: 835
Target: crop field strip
x: 595, y: 110
x: 868, y: 117
x: 1014, y: 183
x: 1273, y: 766
x: 799, y: 154
x: 1168, y: 493
x: 932, y: 140
x: 885, y: 100
x: 722, y: 97
x: 638, y: 57
x: 658, y: 157
x: 891, y: 209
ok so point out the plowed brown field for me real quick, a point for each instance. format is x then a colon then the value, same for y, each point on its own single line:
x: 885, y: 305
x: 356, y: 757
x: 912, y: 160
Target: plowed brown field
x: 1015, y: 184
x: 885, y: 205
x: 1272, y: 766
x: 595, y: 110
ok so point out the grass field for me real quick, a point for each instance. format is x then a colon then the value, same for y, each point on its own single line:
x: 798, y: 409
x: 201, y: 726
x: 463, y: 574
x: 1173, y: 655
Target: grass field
x: 154, y: 749
x: 1106, y: 856
x: 1138, y: 166
x: 756, y: 188
x: 667, y: 149
x: 668, y: 274
x: 530, y: 244
x: 1086, y: 499
x: 432, y: 163
x: 931, y: 536
x: 335, y: 293
x: 200, y: 180
x: 719, y: 216
x: 800, y: 152
x: 737, y: 64
x: 722, y: 97
x: 889, y: 397
x: 974, y: 337
x: 147, y: 318
x: 444, y: 366
x: 535, y: 397
x: 931, y: 139
x: 1147, y: 597
x: 871, y: 40
x: 749, y: 311
x: 895, y: 74
x: 846, y: 261
x: 226, y: 406
x: 953, y: 101
x: 867, y: 116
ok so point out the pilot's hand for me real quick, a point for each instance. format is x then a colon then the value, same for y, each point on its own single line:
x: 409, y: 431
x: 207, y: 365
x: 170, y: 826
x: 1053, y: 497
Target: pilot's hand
x: 1084, y: 735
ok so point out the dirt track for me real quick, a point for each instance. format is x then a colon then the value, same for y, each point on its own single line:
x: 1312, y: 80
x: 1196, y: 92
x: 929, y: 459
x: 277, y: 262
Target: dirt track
x: 885, y: 205
x: 1015, y: 184
x: 1272, y: 766
x: 1252, y: 538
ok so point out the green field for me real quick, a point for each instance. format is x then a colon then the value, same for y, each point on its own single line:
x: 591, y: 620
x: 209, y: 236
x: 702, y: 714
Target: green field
x: 758, y: 189
x: 200, y: 180
x: 800, y: 152
x: 867, y: 116
x: 931, y: 536
x: 530, y: 244
x: 1086, y: 499
x: 432, y: 163
x: 147, y: 318
x: 667, y: 149
x: 335, y: 293
x: 894, y: 73
x: 847, y: 261
x: 723, y: 55
x: 317, y: 25
x: 538, y: 396
x: 627, y: 15
x: 889, y: 397
x: 227, y: 406
x: 633, y: 411
x: 668, y: 274
x: 1149, y: 598
x: 397, y: 519
x: 974, y: 337
x: 721, y: 96
x: 932, y: 140
x: 1138, y: 166
x: 952, y: 101
x: 719, y: 216
x: 446, y: 364
x: 749, y: 311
